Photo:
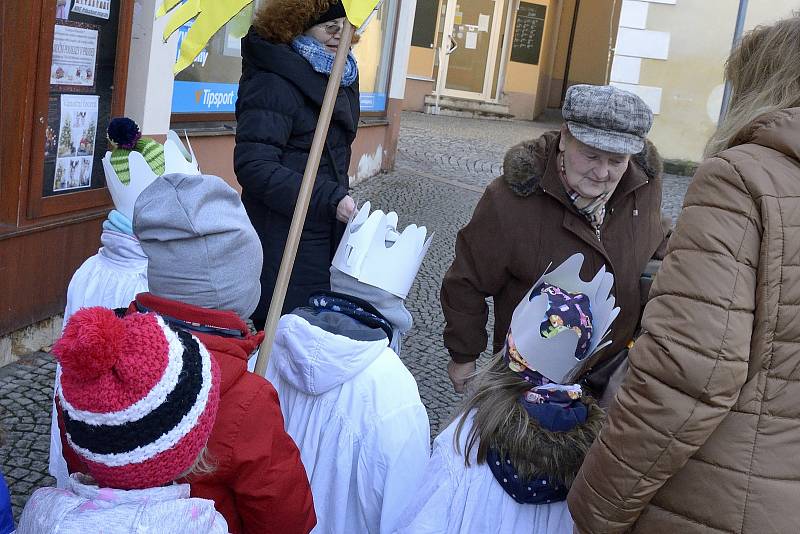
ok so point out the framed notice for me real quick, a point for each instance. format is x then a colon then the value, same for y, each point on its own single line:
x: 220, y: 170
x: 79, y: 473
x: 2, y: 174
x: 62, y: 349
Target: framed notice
x: 81, y: 71
x: 83, y: 85
x: 74, y: 55
x: 528, y: 33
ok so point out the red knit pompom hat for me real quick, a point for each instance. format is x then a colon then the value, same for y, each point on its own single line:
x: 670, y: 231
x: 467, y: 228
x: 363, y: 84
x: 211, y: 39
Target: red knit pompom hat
x: 138, y: 397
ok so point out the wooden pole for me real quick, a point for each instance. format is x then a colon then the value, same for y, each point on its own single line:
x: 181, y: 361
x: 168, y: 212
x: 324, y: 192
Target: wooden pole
x: 301, y: 208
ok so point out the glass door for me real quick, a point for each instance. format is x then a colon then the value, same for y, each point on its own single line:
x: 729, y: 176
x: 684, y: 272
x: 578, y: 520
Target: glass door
x: 469, y: 48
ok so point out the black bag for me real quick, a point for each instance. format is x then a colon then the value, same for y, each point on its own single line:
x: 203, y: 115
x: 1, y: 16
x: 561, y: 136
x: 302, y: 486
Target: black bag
x: 602, y: 381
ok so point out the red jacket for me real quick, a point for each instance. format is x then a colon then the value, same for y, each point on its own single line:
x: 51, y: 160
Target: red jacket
x: 259, y: 483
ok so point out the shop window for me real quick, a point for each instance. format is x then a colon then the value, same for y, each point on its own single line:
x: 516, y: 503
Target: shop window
x: 374, y: 55
x: 209, y: 85
x: 207, y: 90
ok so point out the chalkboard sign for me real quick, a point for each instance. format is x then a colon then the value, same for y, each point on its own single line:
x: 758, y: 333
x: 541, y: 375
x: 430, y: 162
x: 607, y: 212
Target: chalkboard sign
x: 82, y: 72
x: 528, y: 32
x: 424, y: 32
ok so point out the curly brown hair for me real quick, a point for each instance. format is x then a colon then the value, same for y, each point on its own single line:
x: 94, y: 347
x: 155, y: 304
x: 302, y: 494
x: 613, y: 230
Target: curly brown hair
x: 280, y: 21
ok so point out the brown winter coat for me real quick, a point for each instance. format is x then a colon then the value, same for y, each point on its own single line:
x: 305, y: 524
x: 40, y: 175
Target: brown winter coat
x: 525, y: 221
x: 704, y: 436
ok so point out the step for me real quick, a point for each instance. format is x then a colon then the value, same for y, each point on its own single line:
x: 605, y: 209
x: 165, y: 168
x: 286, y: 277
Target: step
x: 463, y: 107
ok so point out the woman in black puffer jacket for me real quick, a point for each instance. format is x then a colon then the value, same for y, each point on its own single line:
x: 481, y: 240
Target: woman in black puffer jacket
x: 286, y: 61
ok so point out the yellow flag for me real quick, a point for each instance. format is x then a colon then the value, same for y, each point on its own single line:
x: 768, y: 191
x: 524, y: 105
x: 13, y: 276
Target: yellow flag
x: 358, y: 11
x: 209, y: 16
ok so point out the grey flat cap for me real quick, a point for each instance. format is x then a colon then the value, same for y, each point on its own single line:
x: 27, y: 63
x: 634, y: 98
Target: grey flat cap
x: 200, y: 245
x: 607, y: 118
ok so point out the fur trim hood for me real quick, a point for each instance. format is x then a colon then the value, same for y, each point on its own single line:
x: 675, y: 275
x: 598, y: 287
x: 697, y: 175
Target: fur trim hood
x: 554, y: 455
x: 525, y: 163
x: 280, y: 21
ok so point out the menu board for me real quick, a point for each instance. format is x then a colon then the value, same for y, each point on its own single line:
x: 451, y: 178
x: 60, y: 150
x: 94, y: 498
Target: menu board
x: 424, y: 32
x: 81, y: 90
x: 528, y: 33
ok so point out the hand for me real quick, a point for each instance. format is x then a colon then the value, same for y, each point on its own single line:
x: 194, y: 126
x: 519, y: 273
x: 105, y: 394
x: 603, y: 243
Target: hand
x: 345, y: 209
x: 460, y: 374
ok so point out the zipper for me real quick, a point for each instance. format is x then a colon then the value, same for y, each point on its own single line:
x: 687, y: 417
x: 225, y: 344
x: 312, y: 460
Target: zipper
x: 597, y: 233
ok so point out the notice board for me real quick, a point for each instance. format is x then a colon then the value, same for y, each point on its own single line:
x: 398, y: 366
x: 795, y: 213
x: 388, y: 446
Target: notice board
x: 424, y: 32
x: 528, y: 33
x: 81, y: 79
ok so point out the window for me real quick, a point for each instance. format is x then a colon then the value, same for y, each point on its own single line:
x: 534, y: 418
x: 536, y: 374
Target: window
x: 374, y: 55
x: 211, y: 83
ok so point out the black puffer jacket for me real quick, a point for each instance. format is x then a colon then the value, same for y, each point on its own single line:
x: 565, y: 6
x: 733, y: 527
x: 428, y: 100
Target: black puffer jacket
x: 279, y: 102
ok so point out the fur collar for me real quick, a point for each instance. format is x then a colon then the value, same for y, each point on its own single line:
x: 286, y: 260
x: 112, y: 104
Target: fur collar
x: 524, y: 164
x: 556, y: 456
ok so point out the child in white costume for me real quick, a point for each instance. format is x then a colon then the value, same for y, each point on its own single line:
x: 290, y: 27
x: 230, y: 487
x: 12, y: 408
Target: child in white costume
x: 118, y: 272
x: 505, y: 464
x: 348, y: 401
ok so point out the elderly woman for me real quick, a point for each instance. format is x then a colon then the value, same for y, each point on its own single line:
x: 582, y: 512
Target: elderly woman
x: 286, y: 61
x: 593, y: 187
x: 704, y: 431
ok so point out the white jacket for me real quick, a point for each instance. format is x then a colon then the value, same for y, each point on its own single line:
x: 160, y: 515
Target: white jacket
x: 354, y: 411
x: 83, y: 508
x: 456, y: 499
x: 111, y: 278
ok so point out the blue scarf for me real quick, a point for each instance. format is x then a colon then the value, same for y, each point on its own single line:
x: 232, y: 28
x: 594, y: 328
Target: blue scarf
x: 321, y: 59
x: 353, y: 307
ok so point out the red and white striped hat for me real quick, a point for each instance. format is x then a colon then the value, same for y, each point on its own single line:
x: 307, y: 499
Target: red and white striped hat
x: 138, y: 397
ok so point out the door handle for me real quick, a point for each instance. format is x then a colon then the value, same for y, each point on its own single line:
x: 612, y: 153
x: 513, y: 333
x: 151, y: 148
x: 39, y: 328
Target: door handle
x: 453, y: 45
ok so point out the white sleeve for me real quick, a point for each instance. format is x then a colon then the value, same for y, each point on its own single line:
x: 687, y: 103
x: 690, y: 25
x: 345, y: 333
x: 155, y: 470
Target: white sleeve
x: 391, y: 465
x: 430, y: 503
x: 57, y: 465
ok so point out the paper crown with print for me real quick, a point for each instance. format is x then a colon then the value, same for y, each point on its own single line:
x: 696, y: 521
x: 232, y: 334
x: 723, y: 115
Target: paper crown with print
x: 554, y: 357
x: 373, y: 252
x: 137, y: 161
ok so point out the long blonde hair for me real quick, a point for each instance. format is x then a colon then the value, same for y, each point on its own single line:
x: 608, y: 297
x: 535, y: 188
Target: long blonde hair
x: 764, y: 73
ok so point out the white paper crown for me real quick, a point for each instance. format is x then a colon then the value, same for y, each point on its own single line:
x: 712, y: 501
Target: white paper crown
x: 554, y: 357
x: 177, y: 160
x: 373, y: 252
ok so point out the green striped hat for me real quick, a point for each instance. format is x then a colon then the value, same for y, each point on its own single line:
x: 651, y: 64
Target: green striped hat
x: 125, y: 135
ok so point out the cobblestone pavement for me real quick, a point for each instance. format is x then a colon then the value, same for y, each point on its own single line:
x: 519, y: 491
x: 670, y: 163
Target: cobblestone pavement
x: 26, y: 392
x: 443, y: 164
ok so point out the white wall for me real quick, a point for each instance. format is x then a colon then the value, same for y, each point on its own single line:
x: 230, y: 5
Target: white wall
x: 148, y: 99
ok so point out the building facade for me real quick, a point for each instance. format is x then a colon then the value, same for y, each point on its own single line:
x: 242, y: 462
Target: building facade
x: 66, y: 68
x: 507, y: 58
x: 672, y: 53
x: 515, y: 58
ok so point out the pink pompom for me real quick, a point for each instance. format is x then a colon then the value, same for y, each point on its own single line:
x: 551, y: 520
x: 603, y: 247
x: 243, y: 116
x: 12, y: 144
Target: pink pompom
x: 90, y: 345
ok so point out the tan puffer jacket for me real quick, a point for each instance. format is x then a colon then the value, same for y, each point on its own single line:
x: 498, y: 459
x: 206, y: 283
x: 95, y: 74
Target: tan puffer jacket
x: 704, y: 436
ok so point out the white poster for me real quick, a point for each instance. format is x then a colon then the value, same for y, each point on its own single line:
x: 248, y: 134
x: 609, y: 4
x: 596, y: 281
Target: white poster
x: 95, y: 8
x: 74, y: 56
x: 471, y: 42
x: 76, y: 139
x: 62, y: 9
x: 483, y: 23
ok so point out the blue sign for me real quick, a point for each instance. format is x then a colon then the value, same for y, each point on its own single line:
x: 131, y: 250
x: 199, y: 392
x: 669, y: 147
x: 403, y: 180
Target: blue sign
x: 373, y: 101
x: 204, y: 97
x: 208, y: 97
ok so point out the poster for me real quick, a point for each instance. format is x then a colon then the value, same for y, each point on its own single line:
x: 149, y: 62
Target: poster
x: 52, y: 129
x: 76, y: 142
x: 472, y: 41
x: 74, y: 56
x: 62, y: 9
x: 483, y: 23
x: 94, y: 8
